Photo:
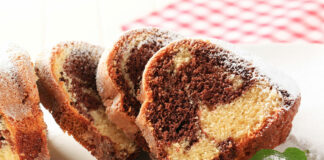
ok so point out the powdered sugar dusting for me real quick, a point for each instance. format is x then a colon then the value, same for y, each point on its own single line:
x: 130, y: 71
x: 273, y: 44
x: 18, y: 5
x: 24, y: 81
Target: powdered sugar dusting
x: 157, y: 35
x: 281, y: 80
x: 276, y: 78
x: 88, y: 51
x: 43, y: 60
x: 7, y: 52
x: 18, y: 91
x: 17, y: 111
x: 78, y: 46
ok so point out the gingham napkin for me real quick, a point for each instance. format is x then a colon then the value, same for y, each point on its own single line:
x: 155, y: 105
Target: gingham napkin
x: 241, y: 21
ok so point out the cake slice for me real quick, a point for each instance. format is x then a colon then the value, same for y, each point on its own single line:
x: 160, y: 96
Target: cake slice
x: 22, y: 128
x: 203, y: 100
x: 67, y: 86
x: 120, y: 73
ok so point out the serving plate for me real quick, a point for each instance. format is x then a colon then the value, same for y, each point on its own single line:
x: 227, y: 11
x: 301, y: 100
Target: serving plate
x: 303, y: 62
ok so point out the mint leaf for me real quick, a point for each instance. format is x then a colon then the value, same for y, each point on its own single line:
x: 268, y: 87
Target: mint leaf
x: 293, y: 153
x: 289, y: 154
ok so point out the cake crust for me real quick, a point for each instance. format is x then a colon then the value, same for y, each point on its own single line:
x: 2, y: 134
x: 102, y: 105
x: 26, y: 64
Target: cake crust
x: 272, y: 132
x: 69, y: 118
x: 19, y: 106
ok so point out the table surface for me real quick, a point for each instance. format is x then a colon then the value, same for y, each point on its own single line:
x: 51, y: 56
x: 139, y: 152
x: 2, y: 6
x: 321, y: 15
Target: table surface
x: 38, y: 24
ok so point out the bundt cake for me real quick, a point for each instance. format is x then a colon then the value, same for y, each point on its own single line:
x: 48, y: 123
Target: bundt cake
x: 22, y: 128
x: 120, y: 72
x: 67, y: 86
x: 204, y: 100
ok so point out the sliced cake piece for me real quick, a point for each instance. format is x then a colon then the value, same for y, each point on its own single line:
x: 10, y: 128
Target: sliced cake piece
x: 67, y: 86
x: 202, y: 100
x: 22, y: 128
x: 120, y: 73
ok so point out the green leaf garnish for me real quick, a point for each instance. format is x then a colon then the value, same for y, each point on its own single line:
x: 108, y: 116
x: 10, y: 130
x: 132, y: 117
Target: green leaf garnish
x: 295, y: 154
x: 290, y: 153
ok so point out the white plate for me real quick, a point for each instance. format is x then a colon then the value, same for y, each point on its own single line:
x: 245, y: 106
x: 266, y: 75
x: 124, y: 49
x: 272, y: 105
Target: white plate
x: 303, y: 62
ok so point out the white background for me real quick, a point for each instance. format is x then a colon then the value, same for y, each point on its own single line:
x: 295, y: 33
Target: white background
x: 36, y: 24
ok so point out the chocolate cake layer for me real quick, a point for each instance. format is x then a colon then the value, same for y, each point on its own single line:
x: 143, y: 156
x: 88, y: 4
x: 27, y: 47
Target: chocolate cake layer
x: 177, y: 92
x: 80, y: 67
x: 130, y: 61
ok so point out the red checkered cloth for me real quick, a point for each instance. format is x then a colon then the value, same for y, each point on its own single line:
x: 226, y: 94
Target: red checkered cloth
x: 243, y: 21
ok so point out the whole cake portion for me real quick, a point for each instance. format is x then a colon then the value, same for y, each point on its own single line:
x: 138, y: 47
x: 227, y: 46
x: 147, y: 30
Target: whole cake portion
x: 203, y: 100
x: 67, y: 86
x: 22, y: 128
x: 120, y: 74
